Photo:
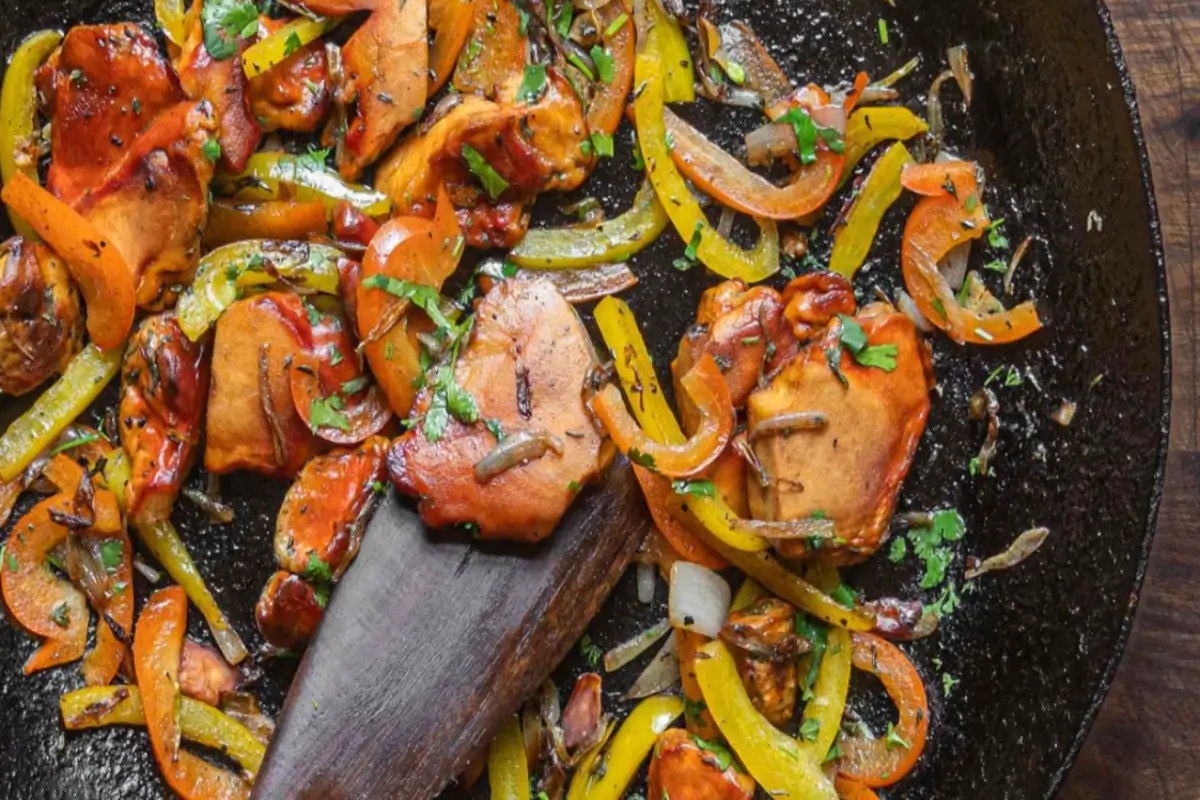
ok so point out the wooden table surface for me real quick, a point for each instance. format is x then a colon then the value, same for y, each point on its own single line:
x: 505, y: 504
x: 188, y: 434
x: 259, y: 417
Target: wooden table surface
x: 1146, y: 740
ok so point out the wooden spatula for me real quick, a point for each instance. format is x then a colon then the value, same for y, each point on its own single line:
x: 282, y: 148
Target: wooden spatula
x: 431, y: 641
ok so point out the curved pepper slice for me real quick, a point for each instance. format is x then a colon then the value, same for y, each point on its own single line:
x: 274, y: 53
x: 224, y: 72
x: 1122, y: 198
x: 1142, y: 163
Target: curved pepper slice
x: 719, y: 174
x: 96, y: 266
x: 18, y: 110
x: 879, y: 762
x: 696, y: 716
x: 507, y: 767
x: 157, y: 648
x: 172, y: 19
x: 852, y: 790
x: 867, y: 127
x: 882, y: 188
x: 199, y: 722
x: 233, y: 221
x: 608, y: 104
x: 665, y: 41
x: 714, y: 251
x: 609, y: 242
x: 227, y: 271
x: 626, y: 752
x: 829, y: 695
x: 451, y: 22
x: 706, y: 388
x: 280, y: 176
x: 772, y: 757
x: 273, y: 49
x: 670, y: 520
x: 56, y: 408
x: 940, y: 222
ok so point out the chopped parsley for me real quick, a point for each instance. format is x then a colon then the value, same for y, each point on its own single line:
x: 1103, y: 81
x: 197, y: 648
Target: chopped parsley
x: 616, y: 25
x: 493, y: 183
x: 292, y: 44
x: 817, y: 634
x: 844, y: 596
x: 929, y: 545
x: 894, y: 739
x: 998, y: 265
x: 693, y: 710
x: 423, y: 297
x: 641, y: 459
x: 810, y: 729
x: 948, y: 683
x: 211, y: 149
x: 605, y: 63
x: 1013, y: 378
x: 591, y: 653
x: 898, y: 550
x: 60, y: 615
x: 9, y: 559
x: 494, y: 428
x: 355, y: 385
x: 724, y: 757
x: 735, y: 72
x: 883, y: 31
x: 112, y: 555
x: 702, y: 488
x: 996, y: 237
x: 533, y: 84
x: 602, y: 144
x: 224, y: 21
x: 854, y: 339
x: 326, y: 412
x: 560, y: 17
x: 317, y: 570
x: 639, y: 163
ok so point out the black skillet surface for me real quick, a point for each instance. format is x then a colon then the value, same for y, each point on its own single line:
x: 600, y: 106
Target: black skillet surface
x: 1033, y: 649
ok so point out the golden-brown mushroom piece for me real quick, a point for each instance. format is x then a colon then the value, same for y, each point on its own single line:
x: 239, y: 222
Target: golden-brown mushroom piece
x: 41, y: 321
x: 321, y: 522
x: 294, y: 94
x: 205, y: 674
x: 848, y: 469
x: 153, y: 203
x: 101, y: 90
x: 525, y: 366
x: 164, y: 385
x: 766, y: 647
x: 384, y: 78
x: 681, y: 768
x: 252, y: 423
x: 288, y: 611
x: 223, y: 83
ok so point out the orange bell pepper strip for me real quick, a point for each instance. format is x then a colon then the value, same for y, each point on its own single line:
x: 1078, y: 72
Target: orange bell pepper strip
x: 851, y: 790
x: 940, y: 222
x: 286, y: 220
x: 706, y: 387
x: 95, y: 265
x: 43, y: 603
x: 103, y: 662
x: 608, y: 104
x: 730, y: 182
x: 65, y: 473
x: 418, y: 251
x: 157, y: 648
x: 675, y: 526
x: 451, y: 23
x: 882, y: 762
x: 496, y: 51
x: 696, y: 716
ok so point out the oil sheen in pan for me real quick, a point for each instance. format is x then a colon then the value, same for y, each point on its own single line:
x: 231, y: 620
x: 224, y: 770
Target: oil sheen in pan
x: 1032, y: 649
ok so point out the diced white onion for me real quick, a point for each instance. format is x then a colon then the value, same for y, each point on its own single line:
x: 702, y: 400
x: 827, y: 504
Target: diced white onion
x: 699, y: 599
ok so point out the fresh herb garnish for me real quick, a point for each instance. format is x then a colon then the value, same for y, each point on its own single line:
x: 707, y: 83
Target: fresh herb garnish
x: 616, y: 25
x: 493, y: 183
x: 854, y: 339
x: 894, y: 739
x: 735, y: 72
x: 292, y: 44
x: 224, y: 21
x: 724, y: 757
x: 996, y: 237
x: 591, y: 653
x: 423, y: 297
x: 641, y: 459
x: 60, y: 615
x: 532, y: 85
x: 898, y: 550
x: 702, y: 488
x: 817, y: 634
x: 948, y: 683
x: 317, y: 570
x: 806, y: 133
x: 561, y: 16
x: 810, y: 729
x: 883, y: 31
x: 605, y: 64
x: 326, y: 412
x: 112, y: 555
x: 355, y: 385
x: 211, y: 150
x: 639, y: 163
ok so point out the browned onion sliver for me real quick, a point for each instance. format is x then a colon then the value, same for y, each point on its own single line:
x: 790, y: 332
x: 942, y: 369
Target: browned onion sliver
x: 957, y: 57
x: 1022, y: 548
x: 587, y: 283
x: 769, y: 142
x: 787, y: 424
x: 788, y: 529
x: 516, y: 449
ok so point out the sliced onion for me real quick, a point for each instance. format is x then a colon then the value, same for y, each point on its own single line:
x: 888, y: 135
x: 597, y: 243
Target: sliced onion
x: 957, y: 56
x: 516, y: 449
x: 1017, y: 255
x: 148, y: 572
x: 217, y: 511
x: 787, y: 424
x: 902, y: 72
x: 954, y: 266
x: 661, y: 674
x: 1064, y: 414
x: 586, y: 284
x: 788, y: 529
x: 906, y: 304
x: 769, y: 142
x: 725, y: 223
x: 645, y: 582
x: 1022, y: 548
x: 699, y: 599
x: 877, y: 94
x: 933, y: 106
x: 629, y: 650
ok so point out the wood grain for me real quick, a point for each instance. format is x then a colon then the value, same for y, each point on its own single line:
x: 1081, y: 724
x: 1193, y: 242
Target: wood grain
x: 1143, y: 744
x: 449, y: 636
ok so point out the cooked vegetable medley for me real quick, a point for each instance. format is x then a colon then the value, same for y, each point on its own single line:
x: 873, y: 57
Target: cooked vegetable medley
x: 251, y: 228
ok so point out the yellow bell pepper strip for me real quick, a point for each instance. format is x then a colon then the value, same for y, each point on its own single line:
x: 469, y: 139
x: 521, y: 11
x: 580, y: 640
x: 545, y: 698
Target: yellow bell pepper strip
x: 116, y: 475
x: 829, y: 695
x: 706, y: 388
x: 867, y: 127
x: 696, y: 716
x: 749, y: 593
x: 607, y: 775
x: 636, y: 373
x: 882, y: 762
x: 665, y: 41
x: 609, y: 242
x: 789, y: 586
x: 18, y: 111
x: 96, y: 266
x: 728, y: 181
x: 225, y: 273
x: 98, y: 706
x: 770, y: 756
x: 172, y: 20
x: 56, y: 408
x: 273, y: 50
x: 882, y: 188
x: 280, y: 176
x: 507, y: 766
x: 714, y: 251
x: 163, y: 542
x: 941, y: 221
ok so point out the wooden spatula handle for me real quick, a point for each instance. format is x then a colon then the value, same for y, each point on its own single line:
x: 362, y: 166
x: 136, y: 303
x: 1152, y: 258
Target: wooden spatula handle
x: 431, y: 641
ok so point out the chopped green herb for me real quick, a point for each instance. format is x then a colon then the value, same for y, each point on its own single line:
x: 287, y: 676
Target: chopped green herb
x: 591, y: 653
x: 292, y: 44
x: 1013, y: 378
x: 70, y: 444
x: 605, y: 63
x: 560, y: 16
x: 112, y: 555
x: 423, y: 297
x: 638, y: 162
x: 835, y: 752
x: 355, y: 385
x: 810, y: 729
x: 602, y: 144
x: 702, y: 488
x: 898, y: 550
x: 843, y: 595
x: 494, y: 428
x: 854, y: 339
x: 999, y: 265
x: 894, y: 739
x: 326, y: 412
x: 335, y: 356
x: 491, y: 180
x: 996, y: 237
x: 694, y: 243
x: 693, y: 710
x: 883, y: 31
x: 806, y: 133
x: 523, y: 24
x: 573, y: 486
x: 993, y: 375
x: 735, y: 72
x: 616, y: 25
x: 377, y: 487
x: 317, y: 570
x: 971, y: 204
x: 939, y: 308
x: 724, y: 757
x: 223, y: 21
x: 581, y: 65
x: 9, y: 559
x: 533, y: 84
x: 947, y: 602
x: 641, y: 459
x: 948, y: 683
x: 211, y: 149
x: 60, y: 615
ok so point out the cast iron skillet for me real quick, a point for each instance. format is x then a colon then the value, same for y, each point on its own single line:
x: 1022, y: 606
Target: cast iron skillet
x: 1033, y: 649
